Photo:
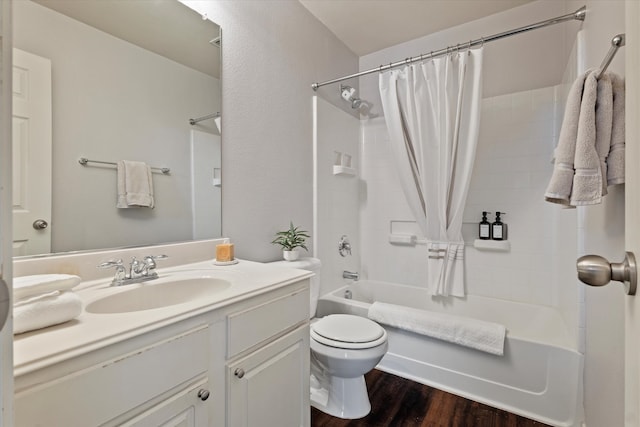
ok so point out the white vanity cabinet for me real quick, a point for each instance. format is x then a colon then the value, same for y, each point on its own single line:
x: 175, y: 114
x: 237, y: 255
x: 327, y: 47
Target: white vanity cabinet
x: 161, y: 380
x: 268, y: 385
x: 243, y: 363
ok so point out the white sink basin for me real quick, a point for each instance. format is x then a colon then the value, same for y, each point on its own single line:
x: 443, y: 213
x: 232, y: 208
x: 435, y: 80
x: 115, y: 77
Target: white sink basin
x: 148, y: 296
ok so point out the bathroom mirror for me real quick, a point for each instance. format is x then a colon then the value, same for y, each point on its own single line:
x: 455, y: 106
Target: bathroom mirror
x: 123, y: 79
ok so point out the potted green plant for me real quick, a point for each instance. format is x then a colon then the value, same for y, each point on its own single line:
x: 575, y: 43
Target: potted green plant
x: 290, y: 240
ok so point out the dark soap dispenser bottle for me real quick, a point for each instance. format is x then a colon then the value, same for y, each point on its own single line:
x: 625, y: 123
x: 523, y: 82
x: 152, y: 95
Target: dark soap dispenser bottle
x: 498, y: 228
x: 484, y: 227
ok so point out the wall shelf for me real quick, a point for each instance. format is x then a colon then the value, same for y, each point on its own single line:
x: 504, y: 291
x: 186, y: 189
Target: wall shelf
x: 344, y: 170
x: 492, y: 245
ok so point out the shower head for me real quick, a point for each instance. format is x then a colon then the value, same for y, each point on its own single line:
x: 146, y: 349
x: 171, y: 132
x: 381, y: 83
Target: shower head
x: 349, y: 94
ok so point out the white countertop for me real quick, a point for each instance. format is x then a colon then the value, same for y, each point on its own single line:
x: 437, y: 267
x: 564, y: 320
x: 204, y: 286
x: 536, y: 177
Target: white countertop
x: 88, y: 332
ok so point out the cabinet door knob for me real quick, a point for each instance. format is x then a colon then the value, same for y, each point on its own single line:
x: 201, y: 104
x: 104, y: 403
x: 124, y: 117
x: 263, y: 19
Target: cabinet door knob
x: 203, y: 394
x: 239, y: 372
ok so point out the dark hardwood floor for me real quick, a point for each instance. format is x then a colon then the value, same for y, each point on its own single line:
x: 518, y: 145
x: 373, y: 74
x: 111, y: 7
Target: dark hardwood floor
x: 397, y: 402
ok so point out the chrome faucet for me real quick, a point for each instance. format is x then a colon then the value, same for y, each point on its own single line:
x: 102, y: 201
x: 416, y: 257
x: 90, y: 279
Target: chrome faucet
x: 139, y: 271
x: 344, y: 246
x: 350, y: 275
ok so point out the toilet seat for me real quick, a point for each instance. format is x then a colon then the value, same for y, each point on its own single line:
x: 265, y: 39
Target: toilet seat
x: 348, y: 332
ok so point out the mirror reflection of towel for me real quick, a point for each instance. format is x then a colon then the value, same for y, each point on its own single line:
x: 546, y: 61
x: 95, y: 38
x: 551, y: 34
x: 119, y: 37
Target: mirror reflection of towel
x: 135, y: 185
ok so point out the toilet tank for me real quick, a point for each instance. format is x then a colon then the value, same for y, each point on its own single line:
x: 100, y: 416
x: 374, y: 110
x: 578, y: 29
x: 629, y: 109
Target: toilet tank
x: 309, y: 264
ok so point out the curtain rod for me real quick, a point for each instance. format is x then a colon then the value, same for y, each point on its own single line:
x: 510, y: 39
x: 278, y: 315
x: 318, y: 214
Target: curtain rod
x: 579, y: 15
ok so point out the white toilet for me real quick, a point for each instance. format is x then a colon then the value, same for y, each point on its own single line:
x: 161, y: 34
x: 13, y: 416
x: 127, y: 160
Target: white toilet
x: 344, y: 347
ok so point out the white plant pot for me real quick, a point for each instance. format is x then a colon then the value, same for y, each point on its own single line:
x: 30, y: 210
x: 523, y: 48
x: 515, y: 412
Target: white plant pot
x: 291, y: 255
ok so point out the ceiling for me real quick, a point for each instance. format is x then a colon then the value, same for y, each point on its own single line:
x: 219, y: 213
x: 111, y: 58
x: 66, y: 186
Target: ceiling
x: 165, y: 27
x: 367, y: 26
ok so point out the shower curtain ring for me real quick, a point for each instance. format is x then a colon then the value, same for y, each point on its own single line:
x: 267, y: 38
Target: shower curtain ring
x: 482, y: 38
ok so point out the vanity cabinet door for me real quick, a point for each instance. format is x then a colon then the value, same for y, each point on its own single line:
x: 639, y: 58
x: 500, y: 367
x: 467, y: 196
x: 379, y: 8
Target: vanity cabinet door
x: 120, y: 388
x: 270, y: 387
x: 185, y: 409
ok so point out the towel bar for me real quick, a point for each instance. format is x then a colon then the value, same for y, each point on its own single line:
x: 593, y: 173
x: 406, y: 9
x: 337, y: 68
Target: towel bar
x: 83, y: 161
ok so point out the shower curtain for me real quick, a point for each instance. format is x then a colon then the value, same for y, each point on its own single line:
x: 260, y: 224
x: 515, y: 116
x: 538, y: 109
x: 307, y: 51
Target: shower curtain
x: 432, y: 111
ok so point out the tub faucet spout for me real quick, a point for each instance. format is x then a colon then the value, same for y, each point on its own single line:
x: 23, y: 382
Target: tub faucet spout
x: 350, y: 275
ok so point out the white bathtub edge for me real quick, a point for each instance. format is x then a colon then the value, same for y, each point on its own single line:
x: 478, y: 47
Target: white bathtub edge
x: 412, y: 372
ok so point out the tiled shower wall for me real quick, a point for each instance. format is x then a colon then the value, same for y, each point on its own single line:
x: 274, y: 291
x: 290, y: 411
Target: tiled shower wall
x: 513, y: 165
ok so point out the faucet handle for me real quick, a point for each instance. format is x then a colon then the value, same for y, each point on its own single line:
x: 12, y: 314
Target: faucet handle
x: 150, y: 261
x: 118, y: 265
x: 112, y: 263
x: 344, y: 246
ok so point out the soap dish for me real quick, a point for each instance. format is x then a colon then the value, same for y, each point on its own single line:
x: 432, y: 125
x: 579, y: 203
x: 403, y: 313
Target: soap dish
x: 232, y: 262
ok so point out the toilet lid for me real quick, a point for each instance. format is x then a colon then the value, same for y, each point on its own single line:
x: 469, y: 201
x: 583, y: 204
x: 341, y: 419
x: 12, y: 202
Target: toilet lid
x: 347, y: 329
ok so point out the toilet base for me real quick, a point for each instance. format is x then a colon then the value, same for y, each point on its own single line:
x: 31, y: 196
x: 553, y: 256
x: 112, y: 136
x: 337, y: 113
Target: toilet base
x: 345, y: 398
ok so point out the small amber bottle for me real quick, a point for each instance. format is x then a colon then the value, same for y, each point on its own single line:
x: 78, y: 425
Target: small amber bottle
x: 498, y: 228
x: 484, y: 227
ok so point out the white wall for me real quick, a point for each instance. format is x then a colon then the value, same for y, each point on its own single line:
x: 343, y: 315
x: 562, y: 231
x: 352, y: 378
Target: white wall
x: 271, y: 53
x: 601, y: 231
x: 111, y: 101
x: 338, y: 196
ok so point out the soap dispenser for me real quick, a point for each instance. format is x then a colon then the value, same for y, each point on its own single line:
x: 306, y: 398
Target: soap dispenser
x: 498, y: 228
x: 484, y: 227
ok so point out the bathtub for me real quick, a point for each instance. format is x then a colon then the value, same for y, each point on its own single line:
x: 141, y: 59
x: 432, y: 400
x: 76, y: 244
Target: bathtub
x: 539, y: 376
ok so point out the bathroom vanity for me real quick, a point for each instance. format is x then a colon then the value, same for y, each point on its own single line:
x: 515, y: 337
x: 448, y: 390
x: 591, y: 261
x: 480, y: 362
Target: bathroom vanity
x: 236, y: 356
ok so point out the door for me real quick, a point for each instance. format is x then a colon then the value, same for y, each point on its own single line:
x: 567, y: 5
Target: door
x: 31, y: 184
x: 185, y: 409
x: 632, y: 210
x: 270, y: 387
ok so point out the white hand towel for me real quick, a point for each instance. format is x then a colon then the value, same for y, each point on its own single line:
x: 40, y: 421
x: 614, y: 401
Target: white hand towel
x: 38, y: 284
x: 46, y: 311
x: 135, y: 185
x: 587, y: 180
x: 615, y: 161
x: 477, y: 334
x: 559, y: 188
x: 604, y: 122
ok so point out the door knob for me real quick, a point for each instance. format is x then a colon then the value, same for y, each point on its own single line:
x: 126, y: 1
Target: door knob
x: 239, y: 373
x: 595, y: 270
x: 40, y: 224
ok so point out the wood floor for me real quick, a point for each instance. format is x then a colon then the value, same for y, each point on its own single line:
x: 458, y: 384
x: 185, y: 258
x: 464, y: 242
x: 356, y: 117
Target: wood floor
x: 397, y: 402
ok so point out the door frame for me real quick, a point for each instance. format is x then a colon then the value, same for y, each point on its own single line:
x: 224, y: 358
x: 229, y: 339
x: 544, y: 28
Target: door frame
x: 632, y: 209
x: 6, y: 247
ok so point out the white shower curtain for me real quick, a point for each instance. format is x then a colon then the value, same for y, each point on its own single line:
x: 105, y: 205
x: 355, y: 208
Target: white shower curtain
x: 432, y: 111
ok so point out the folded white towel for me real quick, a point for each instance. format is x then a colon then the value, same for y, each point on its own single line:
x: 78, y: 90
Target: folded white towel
x: 604, y: 123
x: 135, y: 185
x: 477, y: 334
x: 29, y: 286
x: 615, y: 161
x: 590, y: 152
x: 559, y: 188
x: 587, y: 180
x: 46, y: 311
